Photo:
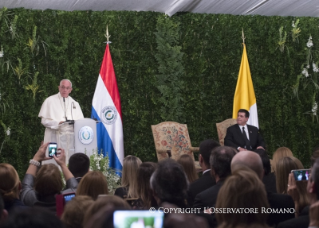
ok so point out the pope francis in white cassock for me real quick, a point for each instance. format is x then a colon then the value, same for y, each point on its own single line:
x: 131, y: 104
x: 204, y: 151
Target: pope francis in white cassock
x: 56, y: 110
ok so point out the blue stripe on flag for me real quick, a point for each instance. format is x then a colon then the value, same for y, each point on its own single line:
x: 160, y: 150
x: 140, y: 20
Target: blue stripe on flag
x: 105, y: 144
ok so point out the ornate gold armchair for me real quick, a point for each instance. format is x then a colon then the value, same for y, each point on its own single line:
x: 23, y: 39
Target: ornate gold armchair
x: 172, y: 140
x: 222, y: 129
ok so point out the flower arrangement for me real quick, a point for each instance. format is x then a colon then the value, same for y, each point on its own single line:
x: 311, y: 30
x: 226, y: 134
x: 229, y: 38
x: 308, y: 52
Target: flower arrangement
x: 100, y: 163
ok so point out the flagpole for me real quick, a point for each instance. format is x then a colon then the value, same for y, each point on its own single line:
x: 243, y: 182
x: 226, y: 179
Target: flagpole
x: 107, y: 35
x: 242, y: 35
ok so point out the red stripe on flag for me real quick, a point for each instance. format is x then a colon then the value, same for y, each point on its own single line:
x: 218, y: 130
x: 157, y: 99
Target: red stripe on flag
x: 108, y: 76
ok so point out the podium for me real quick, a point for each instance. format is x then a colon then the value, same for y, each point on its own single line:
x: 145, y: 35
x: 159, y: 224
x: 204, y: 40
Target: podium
x: 79, y: 137
x: 85, y: 138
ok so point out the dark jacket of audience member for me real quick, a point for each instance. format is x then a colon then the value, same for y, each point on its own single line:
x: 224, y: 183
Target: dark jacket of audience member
x: 220, y: 160
x: 206, y: 180
x: 269, y: 178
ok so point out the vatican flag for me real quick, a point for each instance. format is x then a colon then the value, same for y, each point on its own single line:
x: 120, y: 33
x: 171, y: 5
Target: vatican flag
x: 244, y: 97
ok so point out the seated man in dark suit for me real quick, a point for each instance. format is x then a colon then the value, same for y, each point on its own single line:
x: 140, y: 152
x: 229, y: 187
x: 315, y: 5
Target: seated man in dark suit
x: 206, y: 180
x: 220, y: 160
x: 242, y: 136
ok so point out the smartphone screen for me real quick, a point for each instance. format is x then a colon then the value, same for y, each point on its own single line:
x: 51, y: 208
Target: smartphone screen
x: 301, y: 174
x: 53, y: 147
x: 67, y: 198
x: 138, y: 219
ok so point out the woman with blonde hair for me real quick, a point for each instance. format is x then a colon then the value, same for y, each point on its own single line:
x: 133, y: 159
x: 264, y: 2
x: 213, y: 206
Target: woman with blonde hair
x: 285, y: 180
x: 235, y: 193
x: 10, y: 187
x: 281, y: 152
x: 129, y: 180
x: 93, y: 183
x: 283, y: 169
x: 188, y: 165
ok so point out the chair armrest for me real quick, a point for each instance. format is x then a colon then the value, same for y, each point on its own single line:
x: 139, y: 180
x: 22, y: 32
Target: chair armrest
x: 168, y: 152
x: 162, y: 151
x: 194, y: 149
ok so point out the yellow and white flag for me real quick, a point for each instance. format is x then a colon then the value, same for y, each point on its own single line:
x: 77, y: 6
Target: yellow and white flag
x: 244, y: 97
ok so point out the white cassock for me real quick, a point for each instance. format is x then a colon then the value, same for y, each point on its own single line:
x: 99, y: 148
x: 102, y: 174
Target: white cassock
x: 53, y: 111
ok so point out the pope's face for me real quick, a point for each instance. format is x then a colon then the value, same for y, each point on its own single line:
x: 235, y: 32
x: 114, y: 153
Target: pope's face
x: 241, y: 118
x: 65, y: 88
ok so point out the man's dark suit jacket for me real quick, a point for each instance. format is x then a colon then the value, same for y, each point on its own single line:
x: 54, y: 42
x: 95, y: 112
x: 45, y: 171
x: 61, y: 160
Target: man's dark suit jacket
x: 235, y: 138
x: 300, y: 222
x: 279, y: 201
x: 201, y: 184
x: 208, y: 197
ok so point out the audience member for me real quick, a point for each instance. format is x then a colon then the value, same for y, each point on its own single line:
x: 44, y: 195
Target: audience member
x: 315, y: 155
x: 100, y: 203
x: 206, y: 180
x: 281, y: 152
x: 220, y: 160
x: 188, y: 165
x: 269, y: 179
x: 103, y: 218
x: 129, y: 181
x: 39, y: 187
x: 169, y: 183
x: 235, y: 193
x: 276, y: 201
x: 79, y: 165
x: 283, y: 168
x: 93, y: 184
x: 144, y: 191
x: 302, y: 221
x: 177, y: 220
x: 298, y: 191
x: 32, y: 218
x: 10, y: 187
x: 3, y: 211
x: 74, y: 211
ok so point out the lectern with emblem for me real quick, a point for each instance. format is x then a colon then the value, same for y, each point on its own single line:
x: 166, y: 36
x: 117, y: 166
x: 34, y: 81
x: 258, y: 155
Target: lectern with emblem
x: 85, y: 139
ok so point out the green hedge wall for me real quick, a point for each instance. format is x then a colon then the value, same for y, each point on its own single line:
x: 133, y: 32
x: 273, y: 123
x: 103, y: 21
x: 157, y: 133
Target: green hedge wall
x: 182, y: 68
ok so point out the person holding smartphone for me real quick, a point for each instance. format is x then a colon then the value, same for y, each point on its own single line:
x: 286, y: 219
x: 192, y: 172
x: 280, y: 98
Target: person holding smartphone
x: 41, y: 183
x: 309, y: 215
x: 57, y: 111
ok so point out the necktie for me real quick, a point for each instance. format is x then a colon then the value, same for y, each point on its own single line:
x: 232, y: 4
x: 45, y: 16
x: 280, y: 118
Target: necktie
x: 246, y: 140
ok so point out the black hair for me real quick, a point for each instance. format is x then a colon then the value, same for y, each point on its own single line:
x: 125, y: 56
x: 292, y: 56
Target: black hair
x: 169, y: 182
x: 205, y: 149
x: 79, y: 164
x: 265, y: 159
x: 220, y: 160
x: 245, y: 111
